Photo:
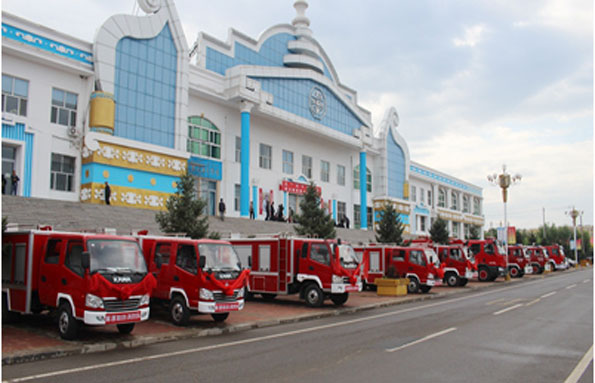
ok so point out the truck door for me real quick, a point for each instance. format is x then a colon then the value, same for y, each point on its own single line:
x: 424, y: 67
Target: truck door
x: 397, y: 259
x: 319, y: 263
x: 71, y: 277
x: 162, y: 274
x: 417, y: 264
x: 186, y: 270
x: 49, y: 271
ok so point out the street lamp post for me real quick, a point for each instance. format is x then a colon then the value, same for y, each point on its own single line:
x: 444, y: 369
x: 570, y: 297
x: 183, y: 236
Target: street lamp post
x: 574, y: 214
x: 504, y: 181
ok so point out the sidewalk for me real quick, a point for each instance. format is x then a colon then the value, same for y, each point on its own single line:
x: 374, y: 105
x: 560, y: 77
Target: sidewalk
x: 36, y: 337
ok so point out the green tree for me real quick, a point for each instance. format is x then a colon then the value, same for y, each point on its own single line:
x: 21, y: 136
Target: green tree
x: 532, y: 238
x: 314, y: 220
x: 439, y: 231
x: 473, y: 232
x: 491, y: 233
x: 390, y: 228
x: 185, y: 211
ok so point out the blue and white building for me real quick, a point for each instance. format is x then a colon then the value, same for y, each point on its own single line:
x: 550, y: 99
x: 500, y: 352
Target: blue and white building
x: 251, y: 119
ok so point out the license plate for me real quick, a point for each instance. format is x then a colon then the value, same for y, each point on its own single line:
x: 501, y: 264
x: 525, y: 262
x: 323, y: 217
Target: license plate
x: 224, y: 307
x: 351, y: 288
x: 115, y: 318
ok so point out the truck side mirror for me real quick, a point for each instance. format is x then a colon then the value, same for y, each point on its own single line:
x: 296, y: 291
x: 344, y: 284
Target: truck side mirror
x: 86, y: 260
x: 202, y: 261
x: 158, y: 260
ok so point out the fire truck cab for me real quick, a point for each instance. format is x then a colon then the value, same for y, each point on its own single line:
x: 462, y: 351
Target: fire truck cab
x: 203, y: 276
x: 457, y: 268
x: 518, y: 261
x: 316, y: 269
x: 91, y: 279
x: 489, y: 258
x: 557, y: 258
x: 538, y: 259
x: 417, y: 263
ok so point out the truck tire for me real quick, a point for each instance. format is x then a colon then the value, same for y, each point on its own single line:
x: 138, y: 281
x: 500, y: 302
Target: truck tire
x: 463, y: 281
x: 425, y: 289
x: 483, y: 274
x: 452, y: 279
x: 68, y: 326
x: 514, y: 272
x: 313, y: 295
x: 339, y: 299
x: 413, y: 285
x: 125, y: 328
x: 178, y: 312
x: 220, y: 317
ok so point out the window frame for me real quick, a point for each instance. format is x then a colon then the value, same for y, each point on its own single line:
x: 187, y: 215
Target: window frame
x: 265, y: 160
x: 325, y: 171
x: 204, y: 138
x: 341, y: 175
x: 287, y: 161
x: 22, y: 101
x: 56, y: 109
x: 54, y: 174
x: 441, y: 197
x: 307, y: 166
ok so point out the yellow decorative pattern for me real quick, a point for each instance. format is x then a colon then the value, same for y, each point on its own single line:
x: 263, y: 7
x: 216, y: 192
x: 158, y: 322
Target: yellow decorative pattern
x: 174, y: 185
x: 124, y: 196
x: 102, y: 111
x: 153, y: 182
x: 137, y: 159
x: 87, y: 173
x: 105, y: 174
x: 130, y: 178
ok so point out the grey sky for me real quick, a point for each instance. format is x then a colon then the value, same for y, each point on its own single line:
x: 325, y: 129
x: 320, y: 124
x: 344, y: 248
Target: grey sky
x: 476, y: 83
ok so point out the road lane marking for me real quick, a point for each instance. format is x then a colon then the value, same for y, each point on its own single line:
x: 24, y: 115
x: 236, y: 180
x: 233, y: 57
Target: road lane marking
x: 508, y: 309
x: 548, y: 294
x: 254, y: 340
x: 496, y: 301
x: 586, y: 281
x: 439, y: 333
x: 571, y: 286
x: 533, y: 302
x: 580, y: 368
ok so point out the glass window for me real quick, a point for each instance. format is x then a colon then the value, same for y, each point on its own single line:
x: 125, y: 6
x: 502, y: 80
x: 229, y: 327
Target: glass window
x: 264, y: 257
x: 236, y: 197
x: 20, y: 254
x: 15, y: 93
x: 356, y: 217
x: 307, y: 166
x: 368, y: 179
x: 186, y: 258
x: 417, y: 257
x: 73, y: 259
x: 465, y: 204
x: 164, y: 250
x: 454, y: 200
x: 341, y: 175
x: 204, y: 138
x: 429, y: 198
x: 319, y: 253
x: 441, y: 198
x: 325, y: 169
x: 341, y: 210
x: 52, y: 254
x: 476, y: 206
x: 398, y: 255
x: 265, y: 156
x: 287, y: 162
x: 238, y: 149
x: 413, y: 194
x: 62, y: 172
x: 455, y: 229
x: 64, y: 105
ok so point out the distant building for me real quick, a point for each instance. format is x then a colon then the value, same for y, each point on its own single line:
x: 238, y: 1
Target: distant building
x: 251, y: 119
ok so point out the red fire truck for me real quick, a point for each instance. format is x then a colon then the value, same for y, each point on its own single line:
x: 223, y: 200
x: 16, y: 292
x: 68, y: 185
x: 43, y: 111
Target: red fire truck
x: 458, y: 269
x: 538, y: 259
x: 557, y: 258
x: 489, y: 258
x: 518, y: 261
x: 418, y: 263
x: 314, y: 268
x: 95, y: 279
x: 203, y: 276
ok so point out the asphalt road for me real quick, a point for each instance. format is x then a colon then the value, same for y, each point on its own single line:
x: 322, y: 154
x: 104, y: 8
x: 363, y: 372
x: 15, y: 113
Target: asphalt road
x: 538, y: 331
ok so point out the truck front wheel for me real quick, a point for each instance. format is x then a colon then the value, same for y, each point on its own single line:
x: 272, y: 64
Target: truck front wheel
x: 463, y: 281
x: 339, y: 299
x: 68, y: 326
x: 220, y: 317
x: 514, y: 272
x: 412, y: 286
x: 125, y: 328
x: 178, y: 312
x: 483, y: 274
x: 452, y: 279
x: 313, y: 295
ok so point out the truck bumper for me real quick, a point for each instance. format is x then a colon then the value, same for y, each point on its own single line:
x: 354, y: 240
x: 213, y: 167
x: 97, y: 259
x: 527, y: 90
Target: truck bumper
x: 469, y: 274
x: 528, y: 269
x: 220, y: 307
x: 562, y: 266
x: 340, y: 288
x: 103, y: 317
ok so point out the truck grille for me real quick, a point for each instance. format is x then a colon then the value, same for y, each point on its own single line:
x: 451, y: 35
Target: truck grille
x: 220, y: 296
x: 117, y: 305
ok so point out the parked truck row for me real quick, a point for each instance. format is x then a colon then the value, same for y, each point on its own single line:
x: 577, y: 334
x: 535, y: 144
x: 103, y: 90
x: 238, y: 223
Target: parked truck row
x: 100, y: 279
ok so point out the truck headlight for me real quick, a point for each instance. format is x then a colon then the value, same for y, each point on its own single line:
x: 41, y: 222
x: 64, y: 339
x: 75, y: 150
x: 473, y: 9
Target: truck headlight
x: 145, y: 299
x: 241, y: 292
x: 206, y: 294
x: 337, y: 279
x: 430, y: 276
x: 93, y: 301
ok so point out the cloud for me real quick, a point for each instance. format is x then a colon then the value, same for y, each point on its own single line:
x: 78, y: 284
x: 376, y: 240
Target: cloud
x: 471, y: 38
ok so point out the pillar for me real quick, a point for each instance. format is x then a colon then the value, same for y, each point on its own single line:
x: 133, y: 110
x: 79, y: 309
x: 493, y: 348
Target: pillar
x: 245, y: 161
x: 363, y: 190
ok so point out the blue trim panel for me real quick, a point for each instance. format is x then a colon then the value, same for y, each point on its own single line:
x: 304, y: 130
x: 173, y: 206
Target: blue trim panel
x: 446, y: 180
x: 46, y: 44
x: 205, y: 168
x: 119, y: 177
x: 245, y: 167
x: 17, y: 132
x: 254, y: 200
x: 363, y: 191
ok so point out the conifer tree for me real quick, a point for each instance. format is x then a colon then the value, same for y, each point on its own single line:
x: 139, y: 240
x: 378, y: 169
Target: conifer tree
x: 314, y: 220
x: 439, y: 231
x: 184, y: 211
x: 390, y: 228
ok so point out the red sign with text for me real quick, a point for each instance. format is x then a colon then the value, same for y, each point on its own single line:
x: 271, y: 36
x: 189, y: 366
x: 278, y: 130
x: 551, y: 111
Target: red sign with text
x: 296, y: 188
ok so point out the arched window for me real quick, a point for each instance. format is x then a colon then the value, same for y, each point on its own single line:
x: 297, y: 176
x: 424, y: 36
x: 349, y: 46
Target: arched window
x: 204, y: 138
x: 466, y: 206
x: 454, y: 200
x: 356, y: 179
x: 441, y: 198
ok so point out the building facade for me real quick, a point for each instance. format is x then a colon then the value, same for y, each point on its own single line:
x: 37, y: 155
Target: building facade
x: 253, y: 120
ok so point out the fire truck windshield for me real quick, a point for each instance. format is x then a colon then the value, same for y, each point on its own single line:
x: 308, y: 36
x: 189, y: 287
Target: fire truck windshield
x: 432, y: 257
x: 348, y: 257
x: 116, y: 256
x: 455, y: 253
x: 220, y: 257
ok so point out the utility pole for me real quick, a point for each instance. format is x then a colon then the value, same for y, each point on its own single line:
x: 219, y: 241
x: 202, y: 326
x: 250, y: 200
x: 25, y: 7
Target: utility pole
x: 544, y: 223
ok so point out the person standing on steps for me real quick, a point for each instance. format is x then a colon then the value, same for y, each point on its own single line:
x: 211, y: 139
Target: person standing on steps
x: 251, y: 210
x: 221, y: 209
x: 107, y: 192
x: 14, y: 180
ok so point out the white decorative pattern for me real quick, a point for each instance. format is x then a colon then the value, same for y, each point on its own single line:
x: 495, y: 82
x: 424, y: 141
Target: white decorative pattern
x: 155, y: 161
x: 29, y: 38
x: 132, y: 198
x: 85, y: 194
x: 109, y: 152
x: 132, y: 156
x: 62, y: 49
x: 154, y: 201
x: 176, y: 165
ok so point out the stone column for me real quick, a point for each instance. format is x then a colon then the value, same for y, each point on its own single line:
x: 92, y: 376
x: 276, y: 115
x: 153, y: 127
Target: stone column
x: 363, y: 191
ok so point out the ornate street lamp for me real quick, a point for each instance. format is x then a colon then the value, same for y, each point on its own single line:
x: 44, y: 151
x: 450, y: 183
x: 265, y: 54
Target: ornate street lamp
x: 504, y: 181
x: 574, y: 214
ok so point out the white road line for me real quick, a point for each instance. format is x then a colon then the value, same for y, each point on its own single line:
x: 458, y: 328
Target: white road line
x: 586, y: 281
x: 548, y: 294
x: 422, y: 339
x: 508, y: 309
x: 580, y: 368
x: 571, y: 286
x: 254, y: 340
x: 533, y: 302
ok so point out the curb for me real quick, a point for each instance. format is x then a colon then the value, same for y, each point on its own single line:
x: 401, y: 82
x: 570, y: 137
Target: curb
x: 152, y: 339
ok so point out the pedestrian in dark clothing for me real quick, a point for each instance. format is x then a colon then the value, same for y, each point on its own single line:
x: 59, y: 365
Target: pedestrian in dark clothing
x: 272, y: 213
x: 107, y: 193
x: 267, y: 209
x: 14, y: 180
x: 3, y: 184
x: 280, y: 217
x: 251, y: 210
x: 290, y: 215
x: 346, y: 221
x: 221, y: 209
